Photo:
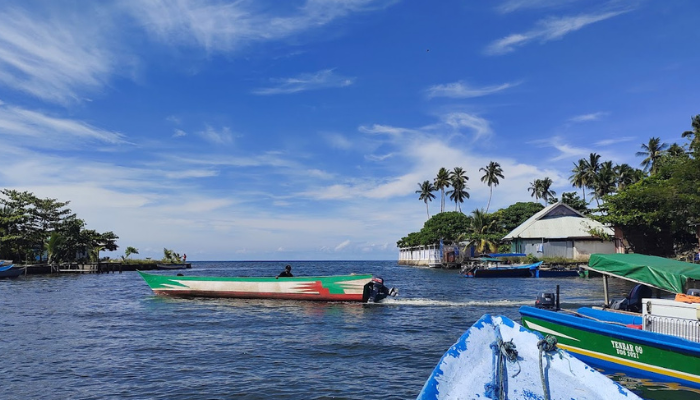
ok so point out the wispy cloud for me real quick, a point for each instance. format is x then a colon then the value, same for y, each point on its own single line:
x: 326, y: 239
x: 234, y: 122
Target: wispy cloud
x: 222, y: 136
x: 342, y: 245
x: 565, y: 149
x: 547, y: 30
x: 588, y: 117
x: 229, y: 26
x: 54, y: 59
x: 179, y: 133
x: 608, y: 142
x: 517, y: 5
x: 41, y: 130
x: 461, y: 90
x: 319, y: 80
x: 458, y: 120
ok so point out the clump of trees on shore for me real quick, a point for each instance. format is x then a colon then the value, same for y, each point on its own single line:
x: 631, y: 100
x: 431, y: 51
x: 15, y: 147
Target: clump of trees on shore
x: 657, y: 207
x: 34, y: 229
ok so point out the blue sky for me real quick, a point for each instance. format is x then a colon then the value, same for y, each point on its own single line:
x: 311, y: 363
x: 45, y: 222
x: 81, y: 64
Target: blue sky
x: 297, y: 130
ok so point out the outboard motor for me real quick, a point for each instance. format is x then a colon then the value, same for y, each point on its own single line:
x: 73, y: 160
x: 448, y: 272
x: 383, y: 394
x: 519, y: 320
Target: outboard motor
x: 546, y: 300
x: 633, y: 301
x: 375, y: 291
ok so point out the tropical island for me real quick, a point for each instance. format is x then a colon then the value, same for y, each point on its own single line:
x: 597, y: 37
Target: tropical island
x: 653, y: 210
x: 45, y: 231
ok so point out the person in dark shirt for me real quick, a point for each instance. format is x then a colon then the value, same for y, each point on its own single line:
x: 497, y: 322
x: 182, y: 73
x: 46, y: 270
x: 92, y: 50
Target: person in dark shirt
x: 287, y: 273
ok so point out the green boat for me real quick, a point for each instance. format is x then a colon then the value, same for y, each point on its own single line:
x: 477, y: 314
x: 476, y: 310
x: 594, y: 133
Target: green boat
x: 358, y: 288
x: 644, y: 337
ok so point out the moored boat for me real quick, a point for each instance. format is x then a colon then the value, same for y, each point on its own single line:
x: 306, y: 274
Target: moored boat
x: 497, y: 358
x: 10, y: 271
x: 173, y: 266
x: 354, y: 288
x: 503, y: 271
x: 641, y: 336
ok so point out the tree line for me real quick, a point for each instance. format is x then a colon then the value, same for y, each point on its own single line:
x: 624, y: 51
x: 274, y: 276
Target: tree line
x: 656, y: 207
x: 35, y: 230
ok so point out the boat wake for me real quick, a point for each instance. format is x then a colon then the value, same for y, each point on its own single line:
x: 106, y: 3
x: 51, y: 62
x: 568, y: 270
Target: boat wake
x: 450, y: 303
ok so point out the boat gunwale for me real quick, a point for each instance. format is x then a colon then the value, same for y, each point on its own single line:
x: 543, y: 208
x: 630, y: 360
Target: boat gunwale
x: 659, y: 340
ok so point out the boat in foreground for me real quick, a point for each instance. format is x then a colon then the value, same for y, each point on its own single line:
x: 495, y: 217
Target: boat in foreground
x: 497, y: 358
x: 643, y: 337
x: 357, y: 288
x: 10, y: 271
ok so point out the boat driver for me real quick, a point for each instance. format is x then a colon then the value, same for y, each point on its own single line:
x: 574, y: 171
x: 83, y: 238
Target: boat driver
x: 287, y: 273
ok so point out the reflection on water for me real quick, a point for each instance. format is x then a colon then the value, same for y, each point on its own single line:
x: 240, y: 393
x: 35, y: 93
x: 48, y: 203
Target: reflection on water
x: 649, y: 389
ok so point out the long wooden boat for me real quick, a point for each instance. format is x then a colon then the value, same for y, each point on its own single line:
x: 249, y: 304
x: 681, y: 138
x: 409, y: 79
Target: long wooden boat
x: 9, y: 271
x: 357, y: 288
x: 497, y: 358
x: 173, y: 266
x: 661, y: 343
x: 506, y: 271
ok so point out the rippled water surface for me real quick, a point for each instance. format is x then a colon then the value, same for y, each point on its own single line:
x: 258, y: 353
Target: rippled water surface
x: 108, y: 337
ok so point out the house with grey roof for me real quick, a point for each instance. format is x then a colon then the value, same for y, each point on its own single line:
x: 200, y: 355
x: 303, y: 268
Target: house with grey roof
x: 560, y: 231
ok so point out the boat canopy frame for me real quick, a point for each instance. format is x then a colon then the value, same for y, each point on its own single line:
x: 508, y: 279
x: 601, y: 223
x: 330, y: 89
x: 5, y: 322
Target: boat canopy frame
x: 658, y: 272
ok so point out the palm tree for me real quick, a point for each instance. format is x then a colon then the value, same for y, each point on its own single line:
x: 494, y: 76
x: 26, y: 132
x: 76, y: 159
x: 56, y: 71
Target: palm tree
x: 426, y: 194
x: 693, y: 135
x: 592, y: 167
x: 478, y: 231
x: 535, y: 189
x: 442, y: 181
x: 675, y: 150
x: 579, y: 177
x: 129, y: 251
x: 458, y: 180
x: 605, y: 181
x: 492, y: 172
x: 652, y: 151
x: 625, y: 175
x: 547, y: 193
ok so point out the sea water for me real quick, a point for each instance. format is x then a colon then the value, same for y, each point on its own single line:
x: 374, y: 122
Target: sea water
x: 108, y: 337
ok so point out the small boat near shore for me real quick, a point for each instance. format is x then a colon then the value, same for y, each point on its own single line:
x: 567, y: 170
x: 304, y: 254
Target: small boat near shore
x: 641, y: 336
x: 497, y: 358
x: 10, y: 271
x: 354, y: 288
x: 173, y: 266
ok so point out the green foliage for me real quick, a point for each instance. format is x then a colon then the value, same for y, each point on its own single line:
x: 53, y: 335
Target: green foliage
x: 171, y: 257
x: 31, y: 227
x: 572, y: 200
x: 447, y: 226
x: 509, y: 218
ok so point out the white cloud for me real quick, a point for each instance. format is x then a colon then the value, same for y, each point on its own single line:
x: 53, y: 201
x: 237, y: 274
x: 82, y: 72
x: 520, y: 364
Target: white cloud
x: 588, y: 117
x: 304, y: 82
x: 179, y: 133
x: 608, y: 142
x: 54, y: 58
x: 458, y: 120
x: 225, y: 26
x: 548, y: 29
x: 342, y: 245
x: 461, y: 90
x: 222, y: 136
x: 517, y: 5
x: 36, y: 129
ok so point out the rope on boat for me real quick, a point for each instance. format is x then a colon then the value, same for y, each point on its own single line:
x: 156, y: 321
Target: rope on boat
x: 546, y: 345
x: 506, y: 352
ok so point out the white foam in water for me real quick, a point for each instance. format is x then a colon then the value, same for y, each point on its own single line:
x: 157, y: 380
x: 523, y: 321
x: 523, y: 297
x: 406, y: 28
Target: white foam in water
x: 450, y: 303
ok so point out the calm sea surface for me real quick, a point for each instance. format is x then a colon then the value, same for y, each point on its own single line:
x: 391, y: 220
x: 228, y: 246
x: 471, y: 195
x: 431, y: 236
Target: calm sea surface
x: 109, y: 337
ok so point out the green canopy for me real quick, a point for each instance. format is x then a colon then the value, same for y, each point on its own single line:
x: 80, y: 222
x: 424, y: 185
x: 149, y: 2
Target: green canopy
x: 659, y: 272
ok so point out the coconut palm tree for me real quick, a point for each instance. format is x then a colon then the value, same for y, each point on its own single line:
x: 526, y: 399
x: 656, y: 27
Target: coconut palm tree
x: 458, y: 180
x: 130, y: 250
x: 694, y: 134
x: 605, y: 181
x: 481, y: 226
x: 547, y: 193
x: 625, y: 176
x: 426, y: 194
x: 458, y: 193
x: 442, y: 181
x: 535, y: 189
x: 592, y: 167
x: 579, y: 178
x: 676, y: 150
x: 492, y: 172
x: 652, y: 151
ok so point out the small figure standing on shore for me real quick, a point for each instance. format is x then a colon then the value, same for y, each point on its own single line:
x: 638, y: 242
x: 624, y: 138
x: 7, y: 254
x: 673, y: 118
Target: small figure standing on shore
x: 184, y: 258
x: 287, y: 273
